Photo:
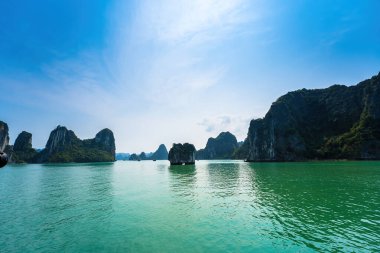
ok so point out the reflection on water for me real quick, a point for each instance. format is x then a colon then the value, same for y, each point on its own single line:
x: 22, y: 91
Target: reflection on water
x: 213, y: 206
x: 323, y: 206
x: 320, y: 206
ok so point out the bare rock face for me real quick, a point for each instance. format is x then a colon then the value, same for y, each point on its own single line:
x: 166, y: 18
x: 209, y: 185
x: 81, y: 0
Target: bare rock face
x: 181, y: 154
x: 64, y: 146
x: 22, y: 149
x: 106, y: 141
x: 4, y: 135
x: 339, y: 122
x: 23, y: 141
x: 3, y: 159
x: 221, y: 147
x: 60, y: 139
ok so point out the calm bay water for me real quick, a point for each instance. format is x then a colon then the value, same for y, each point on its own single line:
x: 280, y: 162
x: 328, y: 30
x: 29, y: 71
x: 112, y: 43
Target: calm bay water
x: 215, y: 206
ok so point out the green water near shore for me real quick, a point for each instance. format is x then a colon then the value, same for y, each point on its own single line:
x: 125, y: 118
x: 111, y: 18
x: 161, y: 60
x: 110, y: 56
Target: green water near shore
x: 213, y: 206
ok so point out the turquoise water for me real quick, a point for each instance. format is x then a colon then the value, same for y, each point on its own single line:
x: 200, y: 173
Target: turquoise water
x: 210, y: 207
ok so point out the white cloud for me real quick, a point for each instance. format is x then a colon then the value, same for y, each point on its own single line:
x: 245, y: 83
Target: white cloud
x: 152, y: 77
x: 176, y: 21
x: 178, y: 36
x: 237, y: 125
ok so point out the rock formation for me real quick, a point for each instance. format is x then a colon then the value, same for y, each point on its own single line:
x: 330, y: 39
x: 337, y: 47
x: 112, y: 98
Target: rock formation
x: 22, y: 149
x: 134, y: 157
x: 4, y: 135
x: 105, y: 141
x: 221, y: 147
x: 242, y: 151
x: 182, y: 154
x: 64, y: 146
x: 339, y: 122
x: 122, y: 156
x: 3, y: 159
x: 142, y: 156
x: 160, y: 154
x: 23, y: 141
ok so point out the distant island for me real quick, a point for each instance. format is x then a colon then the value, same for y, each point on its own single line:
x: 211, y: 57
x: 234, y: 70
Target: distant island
x: 222, y: 147
x: 160, y: 154
x: 338, y: 122
x: 63, y: 146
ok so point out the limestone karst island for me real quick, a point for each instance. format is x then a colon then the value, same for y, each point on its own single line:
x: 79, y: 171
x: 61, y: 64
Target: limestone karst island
x: 335, y: 123
x: 189, y: 126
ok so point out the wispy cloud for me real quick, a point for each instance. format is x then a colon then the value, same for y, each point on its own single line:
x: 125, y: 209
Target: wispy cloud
x: 235, y: 124
x: 180, y: 35
x: 153, y: 73
x: 172, y: 21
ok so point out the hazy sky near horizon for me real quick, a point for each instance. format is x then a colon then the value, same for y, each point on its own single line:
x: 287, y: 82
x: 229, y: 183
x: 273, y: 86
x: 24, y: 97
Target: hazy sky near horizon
x: 172, y: 70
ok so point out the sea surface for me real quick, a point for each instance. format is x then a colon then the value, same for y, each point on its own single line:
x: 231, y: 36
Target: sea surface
x: 213, y: 206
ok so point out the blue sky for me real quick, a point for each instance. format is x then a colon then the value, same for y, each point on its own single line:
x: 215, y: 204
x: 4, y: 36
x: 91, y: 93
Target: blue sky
x: 172, y: 70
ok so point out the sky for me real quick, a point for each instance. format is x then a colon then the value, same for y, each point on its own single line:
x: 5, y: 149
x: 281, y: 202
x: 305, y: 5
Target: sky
x: 169, y: 71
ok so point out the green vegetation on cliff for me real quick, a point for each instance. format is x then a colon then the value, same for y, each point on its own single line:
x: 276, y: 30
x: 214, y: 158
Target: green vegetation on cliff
x: 182, y: 154
x: 221, y: 147
x: 64, y: 146
x: 335, y: 123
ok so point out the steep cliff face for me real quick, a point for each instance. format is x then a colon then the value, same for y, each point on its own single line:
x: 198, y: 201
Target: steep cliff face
x: 221, y: 147
x: 242, y: 151
x: 335, y: 123
x: 23, y: 141
x: 61, y: 139
x: 4, y: 135
x: 64, y: 146
x: 160, y: 154
x: 182, y: 154
x: 22, y: 148
x: 105, y: 141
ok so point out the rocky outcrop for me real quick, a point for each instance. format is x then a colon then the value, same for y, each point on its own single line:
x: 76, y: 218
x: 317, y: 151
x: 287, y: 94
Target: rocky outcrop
x: 23, y: 141
x: 339, y: 122
x: 142, y: 156
x: 61, y: 139
x: 4, y: 135
x: 181, y: 154
x: 134, y: 157
x: 242, y: 151
x: 3, y: 159
x: 160, y: 154
x: 122, y: 156
x: 64, y: 146
x: 105, y: 141
x: 221, y: 147
x: 23, y: 151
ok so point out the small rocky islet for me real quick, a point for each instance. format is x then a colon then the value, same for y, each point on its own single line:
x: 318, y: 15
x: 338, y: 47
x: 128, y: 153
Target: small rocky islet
x: 339, y: 122
x: 182, y: 154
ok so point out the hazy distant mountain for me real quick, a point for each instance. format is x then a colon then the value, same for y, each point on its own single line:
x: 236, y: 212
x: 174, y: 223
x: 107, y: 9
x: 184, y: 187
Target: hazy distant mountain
x: 160, y: 154
x: 122, y: 156
x: 221, y: 147
x: 134, y: 157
